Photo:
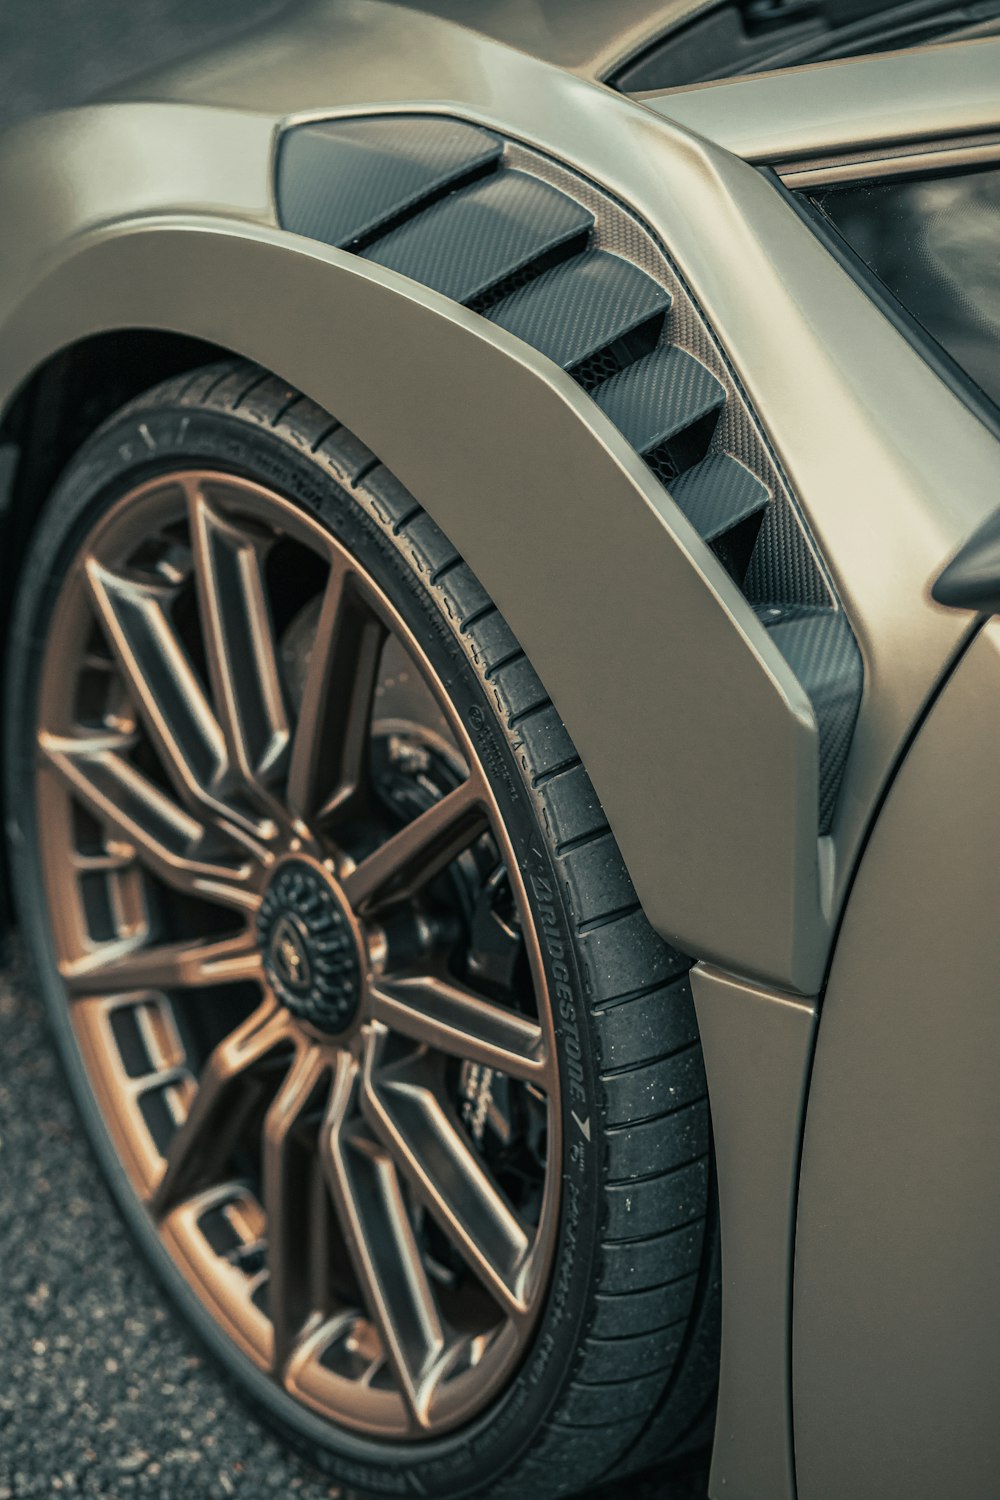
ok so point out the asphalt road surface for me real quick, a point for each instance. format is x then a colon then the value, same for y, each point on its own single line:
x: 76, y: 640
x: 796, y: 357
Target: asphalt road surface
x: 102, y: 1391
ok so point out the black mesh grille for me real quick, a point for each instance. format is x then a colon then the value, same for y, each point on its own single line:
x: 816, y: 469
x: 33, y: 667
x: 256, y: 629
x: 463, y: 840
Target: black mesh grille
x: 662, y: 464
x: 522, y: 277
x: 596, y: 368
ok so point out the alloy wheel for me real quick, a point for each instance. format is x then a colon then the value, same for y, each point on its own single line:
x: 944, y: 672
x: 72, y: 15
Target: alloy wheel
x: 300, y: 963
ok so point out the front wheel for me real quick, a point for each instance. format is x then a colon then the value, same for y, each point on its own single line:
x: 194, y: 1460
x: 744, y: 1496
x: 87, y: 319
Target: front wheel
x: 399, y: 1091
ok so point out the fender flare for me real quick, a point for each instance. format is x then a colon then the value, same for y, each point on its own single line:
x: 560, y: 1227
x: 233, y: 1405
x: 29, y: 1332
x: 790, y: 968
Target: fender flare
x: 710, y: 780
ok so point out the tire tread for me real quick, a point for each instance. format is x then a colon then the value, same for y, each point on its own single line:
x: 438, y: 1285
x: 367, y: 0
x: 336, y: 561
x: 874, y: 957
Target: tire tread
x: 652, y: 1109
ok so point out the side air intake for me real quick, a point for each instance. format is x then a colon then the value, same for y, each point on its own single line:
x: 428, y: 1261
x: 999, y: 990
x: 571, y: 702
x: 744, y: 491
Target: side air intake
x: 552, y: 260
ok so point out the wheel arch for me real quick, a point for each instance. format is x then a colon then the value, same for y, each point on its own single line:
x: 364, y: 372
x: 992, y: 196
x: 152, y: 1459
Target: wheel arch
x: 596, y: 600
x: 67, y: 397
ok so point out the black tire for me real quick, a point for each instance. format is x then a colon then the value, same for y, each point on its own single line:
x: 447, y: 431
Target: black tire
x: 624, y: 1360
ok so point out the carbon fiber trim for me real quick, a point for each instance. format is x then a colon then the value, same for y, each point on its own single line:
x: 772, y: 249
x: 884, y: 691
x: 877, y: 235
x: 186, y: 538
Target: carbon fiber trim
x: 549, y: 257
x: 782, y: 568
x: 718, y: 495
x: 821, y: 650
x: 659, y: 397
x: 342, y: 182
x: 475, y: 238
x: 577, y: 309
x: 785, y: 564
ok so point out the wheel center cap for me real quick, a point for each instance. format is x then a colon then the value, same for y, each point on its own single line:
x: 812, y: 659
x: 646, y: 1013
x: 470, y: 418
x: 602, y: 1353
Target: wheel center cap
x: 308, y: 946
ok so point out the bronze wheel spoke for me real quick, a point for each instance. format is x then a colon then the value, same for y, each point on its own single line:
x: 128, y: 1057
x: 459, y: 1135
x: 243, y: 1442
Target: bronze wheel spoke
x: 360, y: 1181
x: 240, y: 645
x: 286, y: 1190
x: 384, y: 1251
x: 437, y: 1157
x: 182, y: 965
x: 162, y: 682
x: 443, y: 1014
x: 411, y: 858
x: 220, y: 1107
x: 165, y: 836
x: 331, y: 738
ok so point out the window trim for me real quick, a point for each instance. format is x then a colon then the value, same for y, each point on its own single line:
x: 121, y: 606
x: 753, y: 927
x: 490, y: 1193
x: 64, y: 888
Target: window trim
x: 940, y: 361
x: 916, y: 157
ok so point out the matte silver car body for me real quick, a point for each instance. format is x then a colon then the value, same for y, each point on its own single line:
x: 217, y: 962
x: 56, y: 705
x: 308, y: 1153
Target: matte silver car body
x: 848, y: 1340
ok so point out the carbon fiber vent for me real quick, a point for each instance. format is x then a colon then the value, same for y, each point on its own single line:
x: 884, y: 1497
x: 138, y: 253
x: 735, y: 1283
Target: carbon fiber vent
x: 546, y: 256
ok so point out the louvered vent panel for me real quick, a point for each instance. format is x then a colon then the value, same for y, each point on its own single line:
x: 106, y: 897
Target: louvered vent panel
x: 661, y: 397
x: 491, y: 226
x: 344, y: 181
x: 579, y: 310
x: 718, y: 494
x: 472, y: 240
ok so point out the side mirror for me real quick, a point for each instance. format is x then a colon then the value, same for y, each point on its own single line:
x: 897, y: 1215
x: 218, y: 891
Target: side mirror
x: 972, y: 578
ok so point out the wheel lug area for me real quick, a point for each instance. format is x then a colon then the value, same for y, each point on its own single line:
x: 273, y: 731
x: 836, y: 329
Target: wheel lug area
x: 314, y: 952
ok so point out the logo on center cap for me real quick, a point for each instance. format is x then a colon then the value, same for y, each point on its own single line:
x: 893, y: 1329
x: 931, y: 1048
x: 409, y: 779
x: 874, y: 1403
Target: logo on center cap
x: 311, y: 957
x: 289, y: 955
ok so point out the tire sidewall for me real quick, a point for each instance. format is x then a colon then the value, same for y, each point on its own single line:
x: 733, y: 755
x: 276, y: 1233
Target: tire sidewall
x: 132, y: 448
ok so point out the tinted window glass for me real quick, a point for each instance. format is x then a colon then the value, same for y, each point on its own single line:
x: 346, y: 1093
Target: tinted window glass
x: 935, y: 243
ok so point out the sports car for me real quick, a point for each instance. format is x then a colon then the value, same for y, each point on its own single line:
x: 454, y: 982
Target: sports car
x: 501, y: 702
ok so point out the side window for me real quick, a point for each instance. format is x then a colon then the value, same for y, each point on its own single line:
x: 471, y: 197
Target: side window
x: 934, y: 242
